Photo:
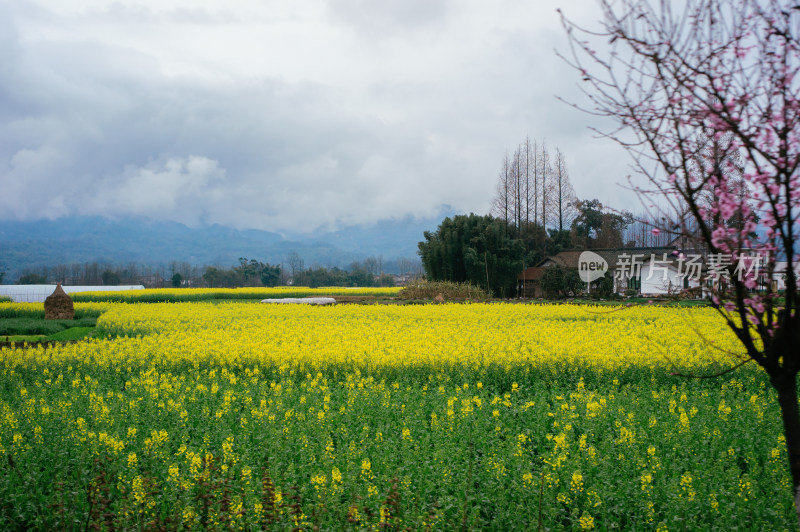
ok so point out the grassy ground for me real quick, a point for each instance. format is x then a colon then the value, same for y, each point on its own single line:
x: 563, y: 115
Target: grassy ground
x: 35, y: 330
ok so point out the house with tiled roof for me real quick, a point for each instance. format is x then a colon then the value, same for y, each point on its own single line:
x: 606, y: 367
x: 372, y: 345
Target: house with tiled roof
x: 658, y: 271
x: 650, y: 271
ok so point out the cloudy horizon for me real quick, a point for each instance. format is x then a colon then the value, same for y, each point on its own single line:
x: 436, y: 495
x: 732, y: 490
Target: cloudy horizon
x: 284, y: 116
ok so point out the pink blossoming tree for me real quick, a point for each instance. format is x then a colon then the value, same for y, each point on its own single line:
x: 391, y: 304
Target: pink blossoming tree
x: 707, y: 100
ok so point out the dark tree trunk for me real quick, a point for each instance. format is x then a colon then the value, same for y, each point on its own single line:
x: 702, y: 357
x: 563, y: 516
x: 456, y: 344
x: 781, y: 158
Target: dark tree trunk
x: 786, y: 386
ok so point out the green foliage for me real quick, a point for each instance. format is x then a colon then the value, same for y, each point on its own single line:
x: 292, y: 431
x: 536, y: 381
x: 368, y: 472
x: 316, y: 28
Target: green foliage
x: 559, y: 241
x: 270, y: 275
x: 573, y: 284
x: 357, y: 275
x: 553, y: 282
x: 360, y: 277
x: 176, y: 280
x: 315, y: 277
x: 31, y: 278
x: 73, y: 333
x: 558, y: 282
x: 537, y: 243
x: 476, y: 249
x: 219, y: 278
x: 111, y: 278
x: 630, y: 452
x: 30, y: 338
x: 595, y: 228
x: 247, y: 273
x: 385, y: 280
x: 604, y: 287
x: 27, y: 326
x: 422, y: 289
x: 37, y: 312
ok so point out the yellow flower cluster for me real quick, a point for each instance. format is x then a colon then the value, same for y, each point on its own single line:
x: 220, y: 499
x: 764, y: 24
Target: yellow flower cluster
x: 279, y: 413
x: 403, y: 337
x: 33, y: 310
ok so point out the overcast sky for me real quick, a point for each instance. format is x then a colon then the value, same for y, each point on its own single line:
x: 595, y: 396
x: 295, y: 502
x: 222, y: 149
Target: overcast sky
x: 284, y: 115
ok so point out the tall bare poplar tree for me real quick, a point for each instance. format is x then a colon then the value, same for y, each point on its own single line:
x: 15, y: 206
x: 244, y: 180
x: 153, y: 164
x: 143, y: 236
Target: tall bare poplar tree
x: 501, y: 206
x: 530, y: 188
x: 535, y: 181
x: 534, y: 188
x: 519, y: 187
x: 545, y: 170
x: 564, y: 195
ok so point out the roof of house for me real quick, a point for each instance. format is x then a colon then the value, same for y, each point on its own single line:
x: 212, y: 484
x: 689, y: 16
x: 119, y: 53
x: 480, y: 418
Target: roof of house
x: 570, y: 259
x: 531, y: 273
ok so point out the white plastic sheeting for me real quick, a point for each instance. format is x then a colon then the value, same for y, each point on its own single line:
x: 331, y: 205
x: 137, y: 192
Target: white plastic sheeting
x: 33, y: 293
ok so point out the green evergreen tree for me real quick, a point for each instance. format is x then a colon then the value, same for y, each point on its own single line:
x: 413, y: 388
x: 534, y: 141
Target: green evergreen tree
x: 480, y: 250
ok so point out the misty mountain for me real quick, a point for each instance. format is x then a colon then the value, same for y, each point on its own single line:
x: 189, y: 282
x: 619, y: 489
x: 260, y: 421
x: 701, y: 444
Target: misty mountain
x: 146, y: 241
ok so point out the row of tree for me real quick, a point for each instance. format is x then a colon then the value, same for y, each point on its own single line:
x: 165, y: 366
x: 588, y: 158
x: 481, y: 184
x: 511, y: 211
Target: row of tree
x: 104, y: 273
x: 255, y: 273
x: 481, y: 250
x: 535, y: 196
x: 535, y: 214
x: 533, y: 188
x: 248, y: 272
x: 491, y: 252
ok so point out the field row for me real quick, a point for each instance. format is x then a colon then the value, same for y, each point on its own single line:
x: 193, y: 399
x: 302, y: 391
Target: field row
x: 155, y: 295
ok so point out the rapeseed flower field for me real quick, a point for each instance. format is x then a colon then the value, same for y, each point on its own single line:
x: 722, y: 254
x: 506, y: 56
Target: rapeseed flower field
x: 487, y: 416
x: 156, y: 295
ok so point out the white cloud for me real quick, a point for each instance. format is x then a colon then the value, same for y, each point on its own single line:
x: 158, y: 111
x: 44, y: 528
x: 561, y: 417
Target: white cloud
x: 179, y: 185
x: 282, y: 115
x: 389, y: 18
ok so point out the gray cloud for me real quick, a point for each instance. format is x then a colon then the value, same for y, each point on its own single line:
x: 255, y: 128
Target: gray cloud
x: 282, y: 117
x: 389, y: 18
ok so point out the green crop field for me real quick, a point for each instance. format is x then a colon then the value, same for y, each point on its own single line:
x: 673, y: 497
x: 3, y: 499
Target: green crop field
x: 195, y: 416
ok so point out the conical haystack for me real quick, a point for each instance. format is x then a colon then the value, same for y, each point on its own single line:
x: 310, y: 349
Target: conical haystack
x: 58, y: 305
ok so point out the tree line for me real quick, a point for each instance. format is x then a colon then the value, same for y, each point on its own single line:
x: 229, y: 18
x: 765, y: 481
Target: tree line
x: 534, y: 189
x: 535, y: 213
x: 372, y: 271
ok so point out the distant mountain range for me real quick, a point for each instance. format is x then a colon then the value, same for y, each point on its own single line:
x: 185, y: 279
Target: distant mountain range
x: 145, y: 241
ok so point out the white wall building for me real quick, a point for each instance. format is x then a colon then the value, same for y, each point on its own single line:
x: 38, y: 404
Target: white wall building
x: 663, y: 276
x: 779, y: 275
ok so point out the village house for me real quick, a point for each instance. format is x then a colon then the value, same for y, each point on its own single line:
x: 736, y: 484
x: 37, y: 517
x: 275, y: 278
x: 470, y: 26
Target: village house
x: 529, y: 282
x: 652, y: 272
x: 649, y: 271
